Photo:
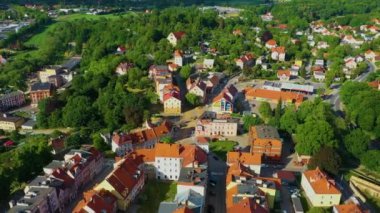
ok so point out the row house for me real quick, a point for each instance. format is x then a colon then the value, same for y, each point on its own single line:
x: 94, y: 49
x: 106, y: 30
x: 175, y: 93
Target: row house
x: 320, y: 190
x: 245, y: 61
x: 125, y: 182
x: 97, y: 201
x: 242, y: 183
x: 223, y: 103
x: 175, y: 37
x: 40, y: 91
x: 122, y: 143
x: 198, y: 88
x: 169, y: 159
x: 210, y: 124
x: 274, y: 96
x: 278, y: 53
x: 58, y: 187
x: 265, y: 141
x: 11, y: 99
x: 247, y: 205
x: 250, y: 160
x: 181, y: 59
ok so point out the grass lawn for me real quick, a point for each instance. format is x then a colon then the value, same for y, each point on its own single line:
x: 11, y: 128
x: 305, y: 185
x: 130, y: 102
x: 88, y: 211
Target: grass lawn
x: 220, y: 148
x: 154, y: 193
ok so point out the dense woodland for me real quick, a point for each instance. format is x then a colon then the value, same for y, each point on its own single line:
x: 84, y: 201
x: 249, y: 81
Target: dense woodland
x: 98, y: 100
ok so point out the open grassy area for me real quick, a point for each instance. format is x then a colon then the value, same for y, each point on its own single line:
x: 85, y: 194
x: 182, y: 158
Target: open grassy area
x: 220, y: 148
x: 154, y: 193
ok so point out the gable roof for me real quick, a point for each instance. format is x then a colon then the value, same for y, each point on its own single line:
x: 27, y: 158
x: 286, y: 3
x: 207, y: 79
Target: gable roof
x: 320, y: 182
x: 279, y: 49
x: 247, y: 205
x: 245, y: 158
x: 274, y: 95
x: 97, y: 201
x: 179, y: 35
x: 40, y: 86
x: 283, y: 72
x: 348, y: 208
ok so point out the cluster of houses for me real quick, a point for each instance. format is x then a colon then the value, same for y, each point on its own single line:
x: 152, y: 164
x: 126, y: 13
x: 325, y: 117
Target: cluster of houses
x: 61, y: 182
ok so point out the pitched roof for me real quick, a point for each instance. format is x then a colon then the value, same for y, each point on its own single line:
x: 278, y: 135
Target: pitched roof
x: 178, y: 53
x: 279, y: 49
x: 192, y: 154
x: 171, y: 94
x: 245, y: 158
x: 348, y: 208
x: 179, y: 35
x: 283, y: 72
x: 167, y: 150
x: 374, y: 84
x: 274, y: 95
x: 247, y: 205
x: 271, y: 42
x: 97, y: 201
x: 41, y: 86
x: 320, y: 182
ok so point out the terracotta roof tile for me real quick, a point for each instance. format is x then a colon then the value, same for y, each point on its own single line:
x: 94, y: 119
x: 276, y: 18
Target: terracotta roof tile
x: 320, y: 182
x: 274, y: 95
x: 348, y: 208
x: 247, y: 205
x: 245, y: 158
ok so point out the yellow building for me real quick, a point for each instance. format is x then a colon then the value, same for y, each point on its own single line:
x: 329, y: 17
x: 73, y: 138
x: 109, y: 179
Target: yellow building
x: 44, y: 75
x: 298, y: 63
x: 172, y: 104
x: 10, y: 123
x: 320, y: 190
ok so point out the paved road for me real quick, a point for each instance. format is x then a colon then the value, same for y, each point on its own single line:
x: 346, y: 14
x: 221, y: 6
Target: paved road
x: 217, y: 171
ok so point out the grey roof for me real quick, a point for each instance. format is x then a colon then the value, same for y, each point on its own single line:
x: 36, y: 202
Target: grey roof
x: 197, y: 176
x: 298, y: 87
x: 247, y: 189
x: 11, y: 119
x: 191, y: 197
x: 264, y: 131
x: 71, y: 63
x: 41, y: 86
x: 297, y: 204
x: 167, y: 207
x: 29, y: 123
x: 31, y: 202
x: 54, y: 164
x: 272, y: 84
x: 10, y: 94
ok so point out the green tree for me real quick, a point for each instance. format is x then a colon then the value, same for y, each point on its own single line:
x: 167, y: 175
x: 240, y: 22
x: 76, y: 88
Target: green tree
x: 371, y: 160
x: 288, y: 121
x: 78, y: 112
x: 74, y: 141
x: 356, y: 142
x: 277, y: 113
x: 265, y: 110
x: 167, y: 139
x: 99, y: 143
x: 185, y: 72
x: 193, y: 99
x: 312, y: 135
x: 317, y: 210
x: 326, y: 159
x: 249, y: 120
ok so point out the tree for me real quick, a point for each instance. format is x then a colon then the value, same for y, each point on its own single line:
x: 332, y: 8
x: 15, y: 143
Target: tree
x: 73, y: 141
x: 277, y: 113
x: 357, y: 142
x: 371, y: 160
x: 167, y: 139
x: 249, y: 120
x: 185, y: 72
x: 288, y: 121
x: 314, y: 134
x: 193, y: 99
x: 99, y: 143
x: 317, y: 210
x: 326, y: 159
x: 78, y: 112
x: 265, y: 110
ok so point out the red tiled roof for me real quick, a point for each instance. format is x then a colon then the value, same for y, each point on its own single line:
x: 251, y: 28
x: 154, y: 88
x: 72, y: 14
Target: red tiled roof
x: 191, y: 154
x: 274, y: 95
x: 348, y: 208
x: 97, y: 201
x: 283, y: 72
x: 167, y: 150
x: 179, y: 35
x: 374, y: 84
x: 286, y: 175
x: 245, y: 158
x: 171, y: 94
x: 183, y: 210
x: 279, y: 49
x: 271, y: 42
x: 320, y: 182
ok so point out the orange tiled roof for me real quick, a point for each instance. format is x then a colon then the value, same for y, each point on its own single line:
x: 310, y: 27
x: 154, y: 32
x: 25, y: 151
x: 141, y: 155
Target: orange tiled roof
x: 238, y: 169
x: 167, y: 150
x: 179, y: 35
x: 374, y: 84
x: 320, y: 182
x: 348, y: 208
x: 247, y: 205
x: 178, y: 53
x: 279, y: 49
x: 191, y: 154
x: 246, y: 158
x: 97, y: 201
x: 183, y: 210
x: 283, y: 72
x: 271, y: 42
x: 274, y: 95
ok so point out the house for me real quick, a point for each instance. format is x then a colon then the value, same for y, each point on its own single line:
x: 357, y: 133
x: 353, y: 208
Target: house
x: 159, y: 71
x: 212, y: 80
x: 241, y: 183
x: 244, y: 61
x: 172, y: 103
x: 203, y: 143
x: 322, y: 45
x: 320, y: 190
x: 283, y: 75
x: 370, y: 55
x: 248, y: 159
x: 294, y: 70
x: 178, y: 58
x: 319, y: 76
x: 40, y: 91
x: 271, y: 44
x: 208, y: 63
x: 57, y: 144
x: 319, y: 62
x: 274, y: 96
x: 169, y: 159
x: 56, y: 80
x: 267, y: 17
x: 350, y: 207
x: 12, y: 99
x: 147, y: 138
x: 121, y: 49
x: 175, y: 37
x: 375, y: 84
x: 123, y: 68
x: 265, y: 140
x: 210, y: 124
x: 223, y: 103
x: 125, y: 182
x: 350, y: 63
x: 94, y: 201
x: 247, y: 205
x: 49, y: 71
x: 349, y: 39
x: 278, y: 53
x: 10, y: 123
x: 198, y: 88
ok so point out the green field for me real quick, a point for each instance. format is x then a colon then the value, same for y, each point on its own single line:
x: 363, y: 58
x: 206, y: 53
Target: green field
x: 220, y: 148
x: 39, y: 38
x: 154, y: 193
